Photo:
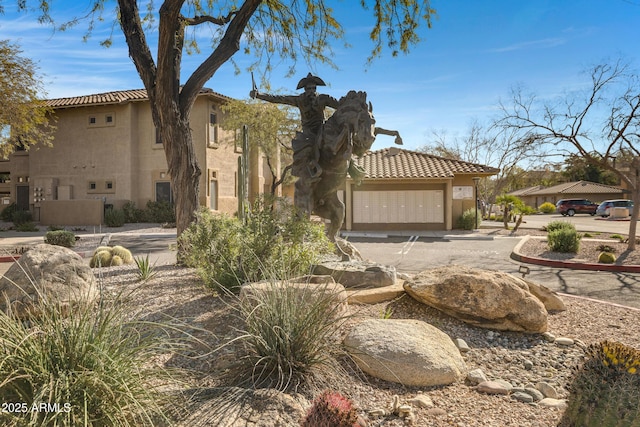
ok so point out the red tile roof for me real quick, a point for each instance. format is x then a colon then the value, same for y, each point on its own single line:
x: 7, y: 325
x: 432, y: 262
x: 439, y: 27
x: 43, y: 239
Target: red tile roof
x: 396, y: 163
x: 115, y: 97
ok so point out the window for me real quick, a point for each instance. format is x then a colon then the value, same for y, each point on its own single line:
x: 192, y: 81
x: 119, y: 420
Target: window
x: 213, y: 190
x: 163, y: 192
x: 213, y: 130
x: 92, y: 186
x: 108, y: 185
x: 93, y: 120
x: 108, y: 118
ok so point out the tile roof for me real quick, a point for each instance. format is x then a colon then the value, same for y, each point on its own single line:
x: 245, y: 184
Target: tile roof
x: 578, y: 187
x: 396, y: 163
x: 115, y: 97
x: 526, y: 191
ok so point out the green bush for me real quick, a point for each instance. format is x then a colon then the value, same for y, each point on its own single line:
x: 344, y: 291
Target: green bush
x: 21, y: 217
x: 60, y: 238
x: 331, y: 409
x: 547, y: 208
x: 565, y: 240
x: 556, y: 225
x: 133, y: 214
x: 605, y: 388
x: 467, y: 220
x: 114, y: 217
x: 160, y: 212
x: 7, y: 213
x: 273, y: 243
x: 26, y: 227
x: 93, y: 362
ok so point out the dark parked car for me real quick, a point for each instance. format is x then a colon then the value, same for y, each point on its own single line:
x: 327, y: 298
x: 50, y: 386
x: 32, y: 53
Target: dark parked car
x: 603, y: 209
x: 576, y: 206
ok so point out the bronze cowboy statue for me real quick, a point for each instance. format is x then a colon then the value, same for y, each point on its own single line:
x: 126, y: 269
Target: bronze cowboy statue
x: 322, y: 151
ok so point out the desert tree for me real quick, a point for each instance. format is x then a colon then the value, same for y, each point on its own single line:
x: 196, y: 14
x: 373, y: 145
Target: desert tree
x: 24, y: 118
x: 282, y: 31
x: 600, y: 123
x: 487, y: 145
x: 271, y: 129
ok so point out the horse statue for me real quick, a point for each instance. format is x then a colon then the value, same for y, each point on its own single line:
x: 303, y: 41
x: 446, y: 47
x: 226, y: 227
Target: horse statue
x: 349, y: 131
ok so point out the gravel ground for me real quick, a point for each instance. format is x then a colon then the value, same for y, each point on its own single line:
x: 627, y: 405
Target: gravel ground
x: 520, y: 359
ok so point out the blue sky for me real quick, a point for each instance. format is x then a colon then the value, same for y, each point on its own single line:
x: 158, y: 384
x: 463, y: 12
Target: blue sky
x: 475, y: 52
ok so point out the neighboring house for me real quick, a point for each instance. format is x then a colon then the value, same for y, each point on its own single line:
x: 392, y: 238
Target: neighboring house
x: 105, y: 152
x: 535, y: 196
x: 407, y: 190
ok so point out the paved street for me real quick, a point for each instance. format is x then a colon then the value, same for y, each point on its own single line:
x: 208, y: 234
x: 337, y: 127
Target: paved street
x: 412, y: 256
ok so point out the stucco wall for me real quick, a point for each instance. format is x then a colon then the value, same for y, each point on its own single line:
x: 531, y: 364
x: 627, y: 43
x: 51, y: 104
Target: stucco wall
x: 71, y: 212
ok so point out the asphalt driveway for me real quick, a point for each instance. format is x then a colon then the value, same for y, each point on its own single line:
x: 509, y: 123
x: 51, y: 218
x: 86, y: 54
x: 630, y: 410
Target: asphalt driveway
x: 412, y: 255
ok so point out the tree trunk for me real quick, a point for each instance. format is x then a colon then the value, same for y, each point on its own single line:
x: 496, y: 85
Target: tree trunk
x: 175, y: 134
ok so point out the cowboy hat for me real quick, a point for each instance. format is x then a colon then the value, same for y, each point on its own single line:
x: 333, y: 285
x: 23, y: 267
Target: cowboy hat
x: 310, y: 79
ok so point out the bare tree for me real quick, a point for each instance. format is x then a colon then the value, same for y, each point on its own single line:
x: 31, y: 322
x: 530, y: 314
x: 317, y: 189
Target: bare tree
x: 492, y: 146
x: 601, y: 124
x: 264, y: 30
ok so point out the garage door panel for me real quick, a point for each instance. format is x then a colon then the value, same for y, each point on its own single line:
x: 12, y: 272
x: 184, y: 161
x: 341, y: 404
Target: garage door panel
x: 412, y: 206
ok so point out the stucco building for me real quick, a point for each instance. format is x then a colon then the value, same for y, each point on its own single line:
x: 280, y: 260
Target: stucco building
x: 105, y: 153
x: 408, y: 190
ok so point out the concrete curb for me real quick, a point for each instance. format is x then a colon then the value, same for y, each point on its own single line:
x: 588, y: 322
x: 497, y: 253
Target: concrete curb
x: 517, y: 256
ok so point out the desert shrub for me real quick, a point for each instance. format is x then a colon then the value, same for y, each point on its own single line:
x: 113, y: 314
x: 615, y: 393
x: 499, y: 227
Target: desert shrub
x: 617, y: 236
x: 331, y: 409
x: 160, y: 212
x: 20, y: 217
x: 212, y: 246
x: 272, y: 243
x: 606, y: 258
x: 291, y: 337
x: 556, y: 225
x: 60, y: 238
x: 132, y: 214
x: 565, y: 240
x: 547, y: 208
x: 467, y: 220
x: 146, y: 270
x: 94, y: 363
x: 605, y: 387
x: 114, y: 217
x: 55, y: 228
x: 7, y: 213
x: 26, y: 227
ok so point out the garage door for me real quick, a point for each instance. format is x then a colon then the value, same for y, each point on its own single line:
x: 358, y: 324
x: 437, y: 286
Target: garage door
x: 411, y: 206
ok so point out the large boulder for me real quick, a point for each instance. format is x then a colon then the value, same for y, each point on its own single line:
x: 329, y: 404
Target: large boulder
x: 357, y: 274
x: 53, y: 273
x: 484, y: 298
x: 405, y: 351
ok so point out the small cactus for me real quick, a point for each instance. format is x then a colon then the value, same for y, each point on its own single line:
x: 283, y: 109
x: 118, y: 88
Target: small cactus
x: 331, y: 409
x: 123, y: 253
x: 606, y: 258
x: 101, y: 259
x: 116, y: 261
x: 106, y: 256
x: 605, y: 390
